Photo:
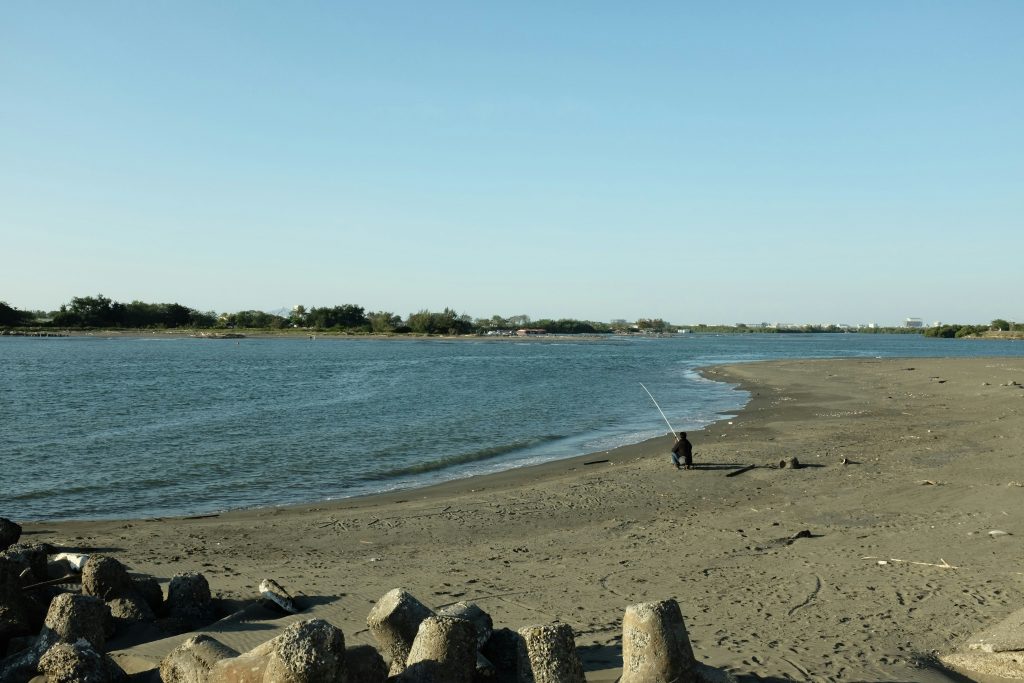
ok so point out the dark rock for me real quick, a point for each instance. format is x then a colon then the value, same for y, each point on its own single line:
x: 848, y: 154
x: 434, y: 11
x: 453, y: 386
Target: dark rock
x: 485, y: 672
x: 10, y: 532
x: 501, y: 649
x: 365, y: 665
x: 19, y: 644
x: 19, y: 615
x: 149, y: 589
x: 31, y: 556
x: 23, y: 665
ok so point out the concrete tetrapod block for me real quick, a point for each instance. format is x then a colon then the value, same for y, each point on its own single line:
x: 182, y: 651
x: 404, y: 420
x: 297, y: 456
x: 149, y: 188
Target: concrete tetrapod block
x: 307, y: 652
x: 79, y: 663
x: 189, y: 601
x: 106, y: 578
x: 191, y: 661
x: 655, y: 645
x: 444, y: 651
x: 547, y: 654
x: 996, y: 651
x: 471, y: 612
x: 72, y: 616
x: 394, y: 622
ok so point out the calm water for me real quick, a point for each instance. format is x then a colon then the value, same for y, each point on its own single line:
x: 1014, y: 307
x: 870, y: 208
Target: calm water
x: 100, y: 428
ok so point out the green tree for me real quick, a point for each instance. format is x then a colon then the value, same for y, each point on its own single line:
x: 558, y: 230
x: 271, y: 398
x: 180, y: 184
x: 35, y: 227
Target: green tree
x: 1000, y: 324
x: 298, y: 316
x: 656, y: 324
x: 346, y: 316
x: 12, y: 316
x: 89, y: 311
x: 445, y: 322
x: 254, y: 319
x: 571, y: 326
x: 383, y: 322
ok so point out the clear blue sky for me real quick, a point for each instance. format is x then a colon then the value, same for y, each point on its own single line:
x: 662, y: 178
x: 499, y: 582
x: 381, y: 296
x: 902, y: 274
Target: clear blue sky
x: 699, y: 162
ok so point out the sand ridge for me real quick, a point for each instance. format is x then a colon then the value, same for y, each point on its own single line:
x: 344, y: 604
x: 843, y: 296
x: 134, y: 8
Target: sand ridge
x: 899, y: 563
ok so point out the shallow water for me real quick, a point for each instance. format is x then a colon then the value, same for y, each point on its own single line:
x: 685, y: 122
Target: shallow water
x: 154, y: 426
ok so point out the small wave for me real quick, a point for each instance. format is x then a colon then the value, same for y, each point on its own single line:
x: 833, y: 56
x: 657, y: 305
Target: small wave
x: 460, y: 459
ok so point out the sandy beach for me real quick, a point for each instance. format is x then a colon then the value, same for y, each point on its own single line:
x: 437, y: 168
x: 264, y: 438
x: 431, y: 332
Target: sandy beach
x: 909, y: 464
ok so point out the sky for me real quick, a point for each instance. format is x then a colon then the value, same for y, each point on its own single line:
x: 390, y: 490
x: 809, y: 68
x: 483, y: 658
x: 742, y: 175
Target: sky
x: 717, y: 162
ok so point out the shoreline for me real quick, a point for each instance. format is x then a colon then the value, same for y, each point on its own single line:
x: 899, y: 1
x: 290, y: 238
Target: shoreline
x: 929, y: 445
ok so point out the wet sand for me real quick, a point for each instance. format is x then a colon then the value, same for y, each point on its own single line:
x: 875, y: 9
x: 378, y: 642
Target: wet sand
x: 899, y: 564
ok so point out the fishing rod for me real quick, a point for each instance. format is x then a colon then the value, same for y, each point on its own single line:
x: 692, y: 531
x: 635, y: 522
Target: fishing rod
x: 670, y: 428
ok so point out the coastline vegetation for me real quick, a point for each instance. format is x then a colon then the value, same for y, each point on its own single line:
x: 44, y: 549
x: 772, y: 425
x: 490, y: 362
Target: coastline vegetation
x: 102, y: 313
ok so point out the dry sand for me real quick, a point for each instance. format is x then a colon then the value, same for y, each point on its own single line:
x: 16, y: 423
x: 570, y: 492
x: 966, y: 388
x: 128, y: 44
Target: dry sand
x: 900, y: 564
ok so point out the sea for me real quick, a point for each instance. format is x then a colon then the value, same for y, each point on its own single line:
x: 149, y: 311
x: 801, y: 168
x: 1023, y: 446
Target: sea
x: 161, y: 425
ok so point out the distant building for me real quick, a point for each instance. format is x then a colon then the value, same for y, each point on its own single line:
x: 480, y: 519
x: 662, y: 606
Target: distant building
x: 914, y: 323
x: 530, y: 332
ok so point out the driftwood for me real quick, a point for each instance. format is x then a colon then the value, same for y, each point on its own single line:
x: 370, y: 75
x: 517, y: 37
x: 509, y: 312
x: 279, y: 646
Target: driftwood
x: 741, y: 470
x: 70, y: 578
x: 595, y: 462
x: 944, y: 565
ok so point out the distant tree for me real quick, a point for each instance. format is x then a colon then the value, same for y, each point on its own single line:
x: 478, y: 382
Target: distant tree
x: 346, y: 316
x: 12, y: 316
x: 1000, y: 324
x: 495, y: 322
x: 445, y: 322
x: 657, y: 324
x: 298, y: 316
x: 970, y: 330
x: 383, y: 322
x: 571, y: 326
x: 254, y: 319
x: 89, y: 311
x: 203, y: 319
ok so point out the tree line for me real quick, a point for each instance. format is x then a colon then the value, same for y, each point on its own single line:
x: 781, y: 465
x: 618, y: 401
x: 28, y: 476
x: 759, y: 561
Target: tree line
x: 102, y: 312
x: 960, y: 331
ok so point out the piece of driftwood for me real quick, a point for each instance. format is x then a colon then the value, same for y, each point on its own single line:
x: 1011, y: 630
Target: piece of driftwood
x: 70, y: 578
x: 944, y: 565
x: 741, y: 470
x: 595, y: 462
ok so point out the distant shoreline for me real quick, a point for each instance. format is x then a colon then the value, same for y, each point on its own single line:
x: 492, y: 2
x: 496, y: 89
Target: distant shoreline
x: 260, y: 333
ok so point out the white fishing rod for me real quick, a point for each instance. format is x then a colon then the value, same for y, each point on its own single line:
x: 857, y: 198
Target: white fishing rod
x: 670, y: 428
